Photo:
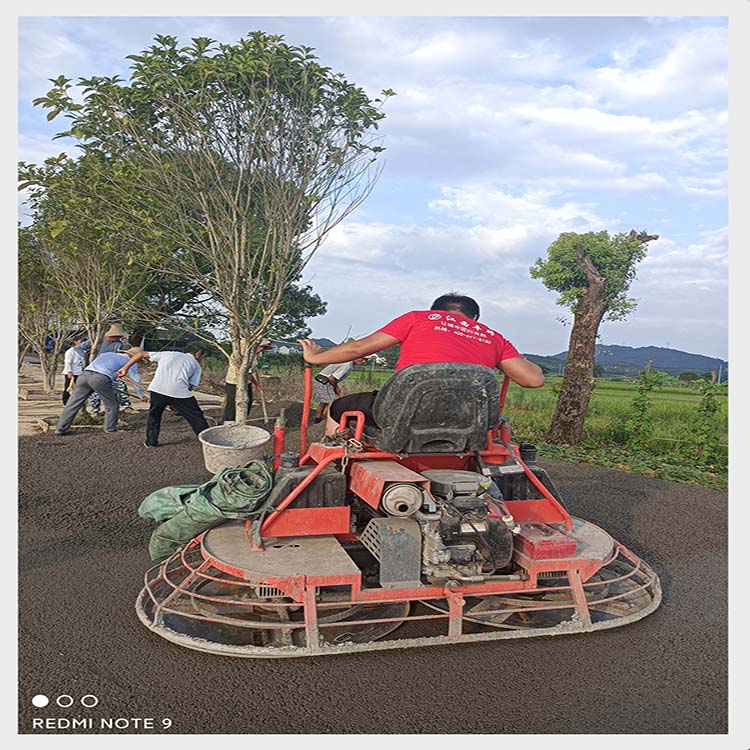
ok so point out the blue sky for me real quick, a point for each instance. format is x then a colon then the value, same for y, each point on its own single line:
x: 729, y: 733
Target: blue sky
x: 504, y: 133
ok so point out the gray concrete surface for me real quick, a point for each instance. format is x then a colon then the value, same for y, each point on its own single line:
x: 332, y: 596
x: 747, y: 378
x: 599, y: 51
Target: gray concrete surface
x: 83, y: 555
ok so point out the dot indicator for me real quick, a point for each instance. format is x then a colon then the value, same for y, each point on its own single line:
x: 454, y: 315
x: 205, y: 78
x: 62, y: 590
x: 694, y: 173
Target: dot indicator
x: 64, y: 701
x: 40, y: 701
x: 89, y: 701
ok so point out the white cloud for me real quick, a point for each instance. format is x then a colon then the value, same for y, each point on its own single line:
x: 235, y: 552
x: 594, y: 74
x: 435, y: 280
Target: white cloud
x: 694, y: 67
x: 47, y: 49
x: 533, y: 208
x: 35, y: 149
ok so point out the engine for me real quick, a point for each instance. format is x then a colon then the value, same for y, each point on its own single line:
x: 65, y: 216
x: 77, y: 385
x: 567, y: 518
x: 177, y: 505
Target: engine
x: 461, y: 538
x: 459, y: 530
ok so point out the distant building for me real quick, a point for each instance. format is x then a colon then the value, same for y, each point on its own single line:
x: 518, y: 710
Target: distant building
x: 286, y: 347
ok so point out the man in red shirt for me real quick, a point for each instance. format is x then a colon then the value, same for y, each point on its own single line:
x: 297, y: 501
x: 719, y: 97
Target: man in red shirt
x: 447, y: 332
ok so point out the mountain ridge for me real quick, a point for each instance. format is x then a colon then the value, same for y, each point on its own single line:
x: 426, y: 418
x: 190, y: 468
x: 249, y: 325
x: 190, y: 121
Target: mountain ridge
x: 629, y: 360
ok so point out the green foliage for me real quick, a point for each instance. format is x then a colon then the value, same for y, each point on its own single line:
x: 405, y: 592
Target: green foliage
x: 670, y: 467
x: 614, y: 257
x: 297, y: 305
x: 639, y: 426
x: 44, y: 315
x: 214, y: 363
x: 706, y: 427
x: 391, y: 355
x: 229, y: 162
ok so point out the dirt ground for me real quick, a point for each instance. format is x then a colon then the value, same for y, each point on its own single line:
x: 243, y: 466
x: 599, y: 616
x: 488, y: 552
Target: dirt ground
x: 83, y: 552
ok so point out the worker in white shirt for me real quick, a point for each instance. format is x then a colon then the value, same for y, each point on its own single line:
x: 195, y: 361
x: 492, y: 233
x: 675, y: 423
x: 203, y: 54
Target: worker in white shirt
x: 73, y: 365
x: 177, y: 373
x: 326, y: 385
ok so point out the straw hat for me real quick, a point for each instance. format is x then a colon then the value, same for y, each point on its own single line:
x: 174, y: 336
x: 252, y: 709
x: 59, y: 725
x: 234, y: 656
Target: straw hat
x: 132, y: 351
x: 116, y: 330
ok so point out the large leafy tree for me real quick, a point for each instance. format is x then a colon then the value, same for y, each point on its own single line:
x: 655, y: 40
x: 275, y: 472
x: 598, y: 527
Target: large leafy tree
x: 245, y: 156
x: 592, y: 274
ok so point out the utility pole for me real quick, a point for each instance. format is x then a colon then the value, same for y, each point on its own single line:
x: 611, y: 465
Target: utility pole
x: 718, y: 380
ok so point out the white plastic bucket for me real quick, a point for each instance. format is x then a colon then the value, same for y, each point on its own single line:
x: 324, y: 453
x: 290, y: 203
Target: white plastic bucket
x: 231, y: 445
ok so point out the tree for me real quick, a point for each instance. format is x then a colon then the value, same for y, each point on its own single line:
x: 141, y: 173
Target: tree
x: 245, y: 157
x: 87, y: 248
x: 44, y: 319
x: 592, y: 273
x: 297, y: 305
x: 688, y: 376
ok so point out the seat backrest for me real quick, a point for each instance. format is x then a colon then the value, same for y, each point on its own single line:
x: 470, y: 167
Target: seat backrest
x: 441, y: 407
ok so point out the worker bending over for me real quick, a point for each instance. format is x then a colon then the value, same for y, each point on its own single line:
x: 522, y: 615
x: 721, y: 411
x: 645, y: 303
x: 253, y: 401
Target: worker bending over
x: 177, y: 374
x: 99, y: 377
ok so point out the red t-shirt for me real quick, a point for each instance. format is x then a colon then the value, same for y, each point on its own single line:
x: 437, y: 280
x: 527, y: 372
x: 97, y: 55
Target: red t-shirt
x: 440, y: 336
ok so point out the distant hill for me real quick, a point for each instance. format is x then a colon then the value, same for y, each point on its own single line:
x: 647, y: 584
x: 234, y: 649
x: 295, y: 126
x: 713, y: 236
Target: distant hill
x: 629, y: 361
x: 325, y: 343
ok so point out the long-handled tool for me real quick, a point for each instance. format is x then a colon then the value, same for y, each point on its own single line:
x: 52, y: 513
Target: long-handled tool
x: 259, y: 388
x: 133, y: 384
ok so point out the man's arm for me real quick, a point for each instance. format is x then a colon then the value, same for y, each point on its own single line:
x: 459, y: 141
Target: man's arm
x: 375, y: 342
x: 135, y: 358
x: 523, y: 372
x: 195, y: 377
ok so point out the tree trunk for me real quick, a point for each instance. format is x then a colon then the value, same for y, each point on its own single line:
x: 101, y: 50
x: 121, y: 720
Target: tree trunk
x: 242, y: 366
x: 578, y: 382
x: 22, y: 352
x: 52, y: 373
x: 96, y: 338
x: 47, y: 366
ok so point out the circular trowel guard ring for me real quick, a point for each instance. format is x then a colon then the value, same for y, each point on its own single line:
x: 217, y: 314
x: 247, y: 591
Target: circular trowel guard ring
x: 201, y: 601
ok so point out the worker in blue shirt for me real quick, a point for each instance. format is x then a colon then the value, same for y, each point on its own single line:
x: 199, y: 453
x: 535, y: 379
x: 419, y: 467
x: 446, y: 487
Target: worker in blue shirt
x: 99, y: 377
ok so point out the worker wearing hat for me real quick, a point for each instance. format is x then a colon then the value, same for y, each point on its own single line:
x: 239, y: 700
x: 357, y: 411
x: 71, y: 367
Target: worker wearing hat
x: 113, y: 339
x: 98, y: 377
x: 230, y: 386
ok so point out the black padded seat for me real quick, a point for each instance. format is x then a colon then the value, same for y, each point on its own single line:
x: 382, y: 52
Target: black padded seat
x: 441, y: 407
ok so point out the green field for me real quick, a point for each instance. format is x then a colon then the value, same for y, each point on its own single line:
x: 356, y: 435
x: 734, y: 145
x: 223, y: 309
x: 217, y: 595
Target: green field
x: 671, y: 453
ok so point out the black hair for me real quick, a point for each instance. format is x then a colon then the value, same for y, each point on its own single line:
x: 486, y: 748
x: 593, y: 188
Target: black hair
x: 196, y: 349
x: 453, y: 302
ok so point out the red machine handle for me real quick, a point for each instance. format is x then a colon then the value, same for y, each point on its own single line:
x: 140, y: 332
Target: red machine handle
x: 503, y: 393
x: 305, y: 412
x: 360, y: 426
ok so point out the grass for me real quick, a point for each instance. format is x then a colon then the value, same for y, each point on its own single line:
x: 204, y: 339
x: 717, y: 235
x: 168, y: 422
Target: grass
x: 671, y: 453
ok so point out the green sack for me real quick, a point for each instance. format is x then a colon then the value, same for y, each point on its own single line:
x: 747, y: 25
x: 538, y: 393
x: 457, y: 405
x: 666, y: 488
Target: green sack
x: 188, y: 510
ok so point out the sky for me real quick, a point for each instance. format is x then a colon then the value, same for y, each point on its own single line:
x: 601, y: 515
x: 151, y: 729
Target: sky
x: 505, y: 132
